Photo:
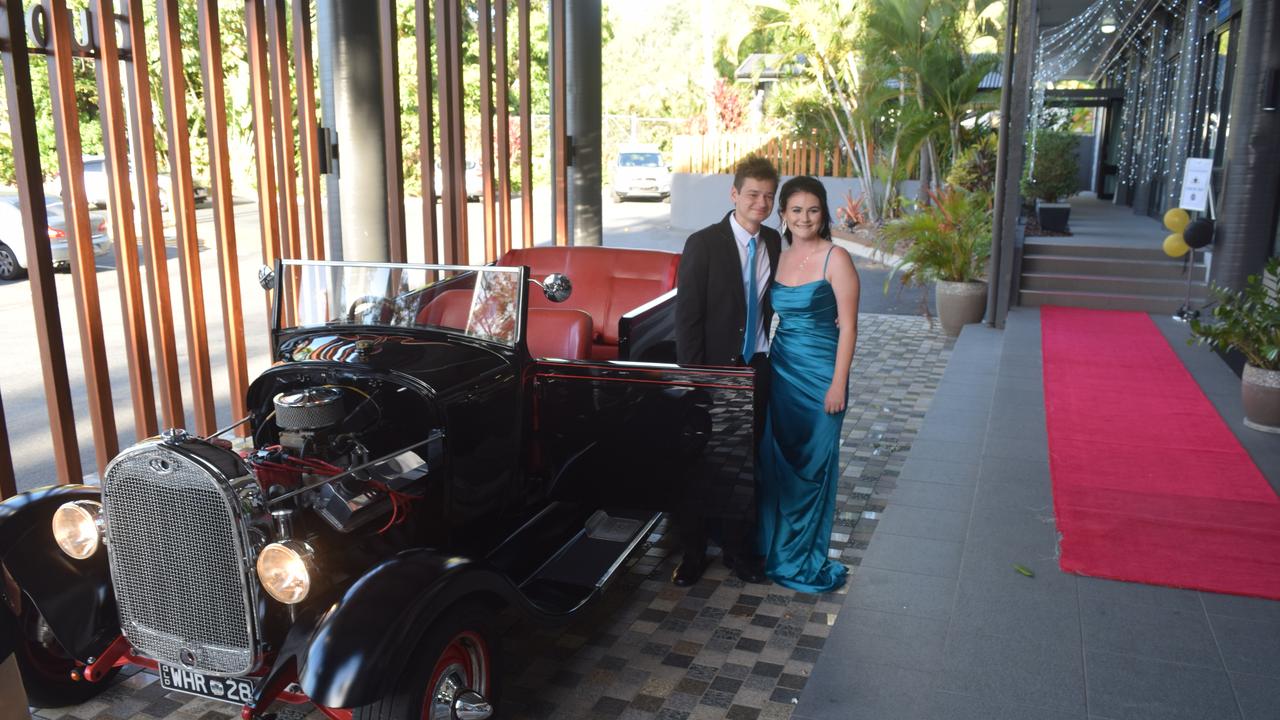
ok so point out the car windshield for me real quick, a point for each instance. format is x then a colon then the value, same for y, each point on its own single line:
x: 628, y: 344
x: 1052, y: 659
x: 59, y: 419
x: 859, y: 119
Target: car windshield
x: 482, y: 302
x: 639, y: 159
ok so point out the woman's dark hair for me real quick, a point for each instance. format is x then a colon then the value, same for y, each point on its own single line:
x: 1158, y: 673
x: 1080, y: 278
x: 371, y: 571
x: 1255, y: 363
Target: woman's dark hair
x: 813, y: 186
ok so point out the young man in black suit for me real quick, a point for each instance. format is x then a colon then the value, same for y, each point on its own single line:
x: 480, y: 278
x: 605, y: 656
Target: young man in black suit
x: 723, y: 318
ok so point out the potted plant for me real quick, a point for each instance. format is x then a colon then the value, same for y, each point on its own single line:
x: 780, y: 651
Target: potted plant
x: 1050, y: 178
x: 947, y: 243
x: 1248, y: 321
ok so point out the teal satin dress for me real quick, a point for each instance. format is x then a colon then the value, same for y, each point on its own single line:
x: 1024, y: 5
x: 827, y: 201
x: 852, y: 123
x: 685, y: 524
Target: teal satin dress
x: 800, y: 447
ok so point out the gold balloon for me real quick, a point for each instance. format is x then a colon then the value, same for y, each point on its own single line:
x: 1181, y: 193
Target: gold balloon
x: 1176, y: 220
x: 1175, y: 246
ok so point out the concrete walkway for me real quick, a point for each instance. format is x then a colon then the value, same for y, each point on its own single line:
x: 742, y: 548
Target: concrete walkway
x: 1101, y: 223
x: 938, y: 624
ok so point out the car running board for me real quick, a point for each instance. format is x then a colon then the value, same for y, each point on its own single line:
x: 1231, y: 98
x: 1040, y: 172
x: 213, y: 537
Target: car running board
x: 589, y: 560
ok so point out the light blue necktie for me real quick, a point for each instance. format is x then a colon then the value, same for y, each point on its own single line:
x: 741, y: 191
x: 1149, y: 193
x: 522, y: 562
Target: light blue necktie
x: 753, y: 302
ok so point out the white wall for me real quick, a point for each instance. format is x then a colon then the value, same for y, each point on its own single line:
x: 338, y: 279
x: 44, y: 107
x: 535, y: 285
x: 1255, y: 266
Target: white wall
x: 699, y: 200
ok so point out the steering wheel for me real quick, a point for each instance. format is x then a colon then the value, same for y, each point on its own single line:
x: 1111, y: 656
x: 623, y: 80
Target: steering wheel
x: 367, y: 305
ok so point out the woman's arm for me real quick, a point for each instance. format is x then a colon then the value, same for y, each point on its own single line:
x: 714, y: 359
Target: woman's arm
x: 843, y: 277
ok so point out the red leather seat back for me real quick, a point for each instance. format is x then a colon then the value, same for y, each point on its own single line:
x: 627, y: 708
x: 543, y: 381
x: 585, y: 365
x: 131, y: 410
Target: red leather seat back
x: 448, y: 309
x: 607, y: 283
x: 562, y: 333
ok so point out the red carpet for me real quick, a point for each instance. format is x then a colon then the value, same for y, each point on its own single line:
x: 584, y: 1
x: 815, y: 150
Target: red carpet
x: 1149, y: 483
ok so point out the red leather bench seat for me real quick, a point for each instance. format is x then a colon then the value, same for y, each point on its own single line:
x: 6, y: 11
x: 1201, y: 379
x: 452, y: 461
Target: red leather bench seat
x: 607, y: 284
x: 449, y: 309
x: 557, y: 332
x: 562, y: 333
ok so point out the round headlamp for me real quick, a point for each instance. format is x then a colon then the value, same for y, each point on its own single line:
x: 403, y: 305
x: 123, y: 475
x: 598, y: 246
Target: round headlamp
x: 284, y: 568
x: 77, y: 528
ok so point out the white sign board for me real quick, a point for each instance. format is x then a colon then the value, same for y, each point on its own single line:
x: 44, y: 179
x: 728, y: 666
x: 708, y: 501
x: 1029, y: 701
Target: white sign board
x: 1195, y: 184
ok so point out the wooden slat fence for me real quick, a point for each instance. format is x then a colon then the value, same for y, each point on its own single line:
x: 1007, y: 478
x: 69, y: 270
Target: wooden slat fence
x: 278, y: 34
x: 711, y: 154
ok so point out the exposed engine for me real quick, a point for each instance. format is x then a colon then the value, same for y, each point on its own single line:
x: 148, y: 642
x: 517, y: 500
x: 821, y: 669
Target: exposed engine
x: 320, y: 434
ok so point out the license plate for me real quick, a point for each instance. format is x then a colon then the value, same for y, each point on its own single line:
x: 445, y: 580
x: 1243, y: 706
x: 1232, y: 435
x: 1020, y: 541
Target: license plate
x: 233, y: 690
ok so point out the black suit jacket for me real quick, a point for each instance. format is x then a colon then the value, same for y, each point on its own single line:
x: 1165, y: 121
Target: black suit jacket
x: 711, y: 306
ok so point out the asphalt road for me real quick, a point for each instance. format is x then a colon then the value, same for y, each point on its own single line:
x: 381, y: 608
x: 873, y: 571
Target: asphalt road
x: 630, y: 224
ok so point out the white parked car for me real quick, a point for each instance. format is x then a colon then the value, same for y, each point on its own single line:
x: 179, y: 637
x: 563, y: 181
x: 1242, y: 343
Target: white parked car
x: 97, y: 189
x: 13, y: 247
x: 474, y: 180
x: 640, y: 172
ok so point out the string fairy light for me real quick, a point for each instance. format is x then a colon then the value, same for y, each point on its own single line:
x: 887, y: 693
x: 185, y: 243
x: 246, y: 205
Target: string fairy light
x: 1157, y: 130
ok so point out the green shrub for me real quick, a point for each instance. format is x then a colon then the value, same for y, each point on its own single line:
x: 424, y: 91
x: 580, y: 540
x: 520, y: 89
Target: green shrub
x: 1248, y: 320
x: 1054, y: 178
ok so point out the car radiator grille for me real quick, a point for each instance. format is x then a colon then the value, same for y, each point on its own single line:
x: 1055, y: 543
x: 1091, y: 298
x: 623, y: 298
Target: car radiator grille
x: 175, y: 544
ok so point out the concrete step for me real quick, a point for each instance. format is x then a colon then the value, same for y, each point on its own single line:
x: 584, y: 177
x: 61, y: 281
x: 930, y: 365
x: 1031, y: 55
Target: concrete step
x: 1110, y: 285
x: 1047, y: 246
x: 1166, y: 269
x: 1101, y: 301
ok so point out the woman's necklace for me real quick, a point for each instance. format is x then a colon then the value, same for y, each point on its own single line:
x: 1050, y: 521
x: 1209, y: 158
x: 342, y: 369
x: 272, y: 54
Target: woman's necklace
x: 805, y: 261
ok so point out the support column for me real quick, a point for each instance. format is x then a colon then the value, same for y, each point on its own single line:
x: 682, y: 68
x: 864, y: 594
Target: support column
x: 350, y: 48
x: 1002, y: 158
x: 1251, y: 191
x: 1009, y: 165
x: 583, y: 40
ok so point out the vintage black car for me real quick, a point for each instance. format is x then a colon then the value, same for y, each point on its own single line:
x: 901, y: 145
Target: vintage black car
x: 433, y: 450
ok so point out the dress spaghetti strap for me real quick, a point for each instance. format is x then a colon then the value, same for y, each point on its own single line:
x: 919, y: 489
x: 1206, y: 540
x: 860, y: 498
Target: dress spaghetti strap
x: 826, y: 260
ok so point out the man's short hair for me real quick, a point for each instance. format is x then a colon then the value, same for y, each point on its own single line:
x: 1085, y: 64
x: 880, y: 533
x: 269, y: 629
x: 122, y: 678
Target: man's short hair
x: 756, y: 168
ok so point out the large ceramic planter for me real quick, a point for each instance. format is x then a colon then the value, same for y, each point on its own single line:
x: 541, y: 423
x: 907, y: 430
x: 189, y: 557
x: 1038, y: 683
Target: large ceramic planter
x: 1260, y: 391
x: 960, y: 303
x: 1053, y: 216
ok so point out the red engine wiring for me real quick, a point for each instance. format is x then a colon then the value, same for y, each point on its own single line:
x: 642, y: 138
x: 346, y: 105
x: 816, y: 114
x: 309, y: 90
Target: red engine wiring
x: 285, y: 469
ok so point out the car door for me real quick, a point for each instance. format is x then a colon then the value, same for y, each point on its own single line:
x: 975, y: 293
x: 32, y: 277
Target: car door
x: 644, y: 435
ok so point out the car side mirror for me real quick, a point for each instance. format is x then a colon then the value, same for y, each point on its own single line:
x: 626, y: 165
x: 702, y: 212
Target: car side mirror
x: 557, y: 287
x: 267, y: 278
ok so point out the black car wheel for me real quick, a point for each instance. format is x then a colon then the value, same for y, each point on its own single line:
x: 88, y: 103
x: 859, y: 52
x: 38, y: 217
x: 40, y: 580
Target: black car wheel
x: 46, y: 667
x: 9, y: 267
x: 450, y: 676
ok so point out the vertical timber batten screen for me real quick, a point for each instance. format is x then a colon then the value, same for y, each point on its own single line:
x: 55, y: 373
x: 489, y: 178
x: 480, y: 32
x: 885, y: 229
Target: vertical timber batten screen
x: 142, y: 128
x: 453, y: 130
x: 35, y: 231
x: 128, y: 279
x: 84, y: 276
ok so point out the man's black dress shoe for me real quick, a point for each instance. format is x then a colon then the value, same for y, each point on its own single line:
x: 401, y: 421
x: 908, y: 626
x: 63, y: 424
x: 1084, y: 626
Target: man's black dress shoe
x: 689, y: 571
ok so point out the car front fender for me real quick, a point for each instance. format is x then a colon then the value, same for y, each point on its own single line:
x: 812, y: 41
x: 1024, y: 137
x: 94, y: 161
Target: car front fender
x: 362, y: 641
x: 74, y: 596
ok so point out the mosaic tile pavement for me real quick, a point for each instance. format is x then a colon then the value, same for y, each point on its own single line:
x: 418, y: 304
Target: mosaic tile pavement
x: 720, y: 649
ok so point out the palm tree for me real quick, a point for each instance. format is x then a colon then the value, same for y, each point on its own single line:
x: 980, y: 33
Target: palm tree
x: 927, y: 42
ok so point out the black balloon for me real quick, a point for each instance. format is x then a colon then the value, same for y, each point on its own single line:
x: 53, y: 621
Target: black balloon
x: 1198, y: 234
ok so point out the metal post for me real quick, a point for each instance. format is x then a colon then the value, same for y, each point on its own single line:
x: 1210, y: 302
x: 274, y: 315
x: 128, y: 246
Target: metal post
x: 583, y: 40
x: 351, y: 89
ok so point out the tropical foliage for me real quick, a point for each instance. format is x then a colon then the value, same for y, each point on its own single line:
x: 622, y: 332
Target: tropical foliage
x: 1247, y: 320
x: 898, y: 80
x: 949, y: 240
x: 975, y: 171
x: 238, y: 98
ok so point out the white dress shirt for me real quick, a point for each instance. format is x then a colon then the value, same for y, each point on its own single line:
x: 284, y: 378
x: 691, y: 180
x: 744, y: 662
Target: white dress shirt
x: 762, y: 277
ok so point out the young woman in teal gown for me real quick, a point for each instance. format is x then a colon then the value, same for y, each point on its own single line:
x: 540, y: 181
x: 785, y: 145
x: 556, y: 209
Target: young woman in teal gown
x: 815, y: 296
